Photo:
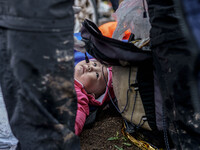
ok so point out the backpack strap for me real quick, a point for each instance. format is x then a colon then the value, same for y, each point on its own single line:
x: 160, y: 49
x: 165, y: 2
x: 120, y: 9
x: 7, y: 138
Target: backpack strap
x: 145, y: 81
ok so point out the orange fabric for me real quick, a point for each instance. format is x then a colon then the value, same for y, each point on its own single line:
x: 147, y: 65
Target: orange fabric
x: 107, y: 30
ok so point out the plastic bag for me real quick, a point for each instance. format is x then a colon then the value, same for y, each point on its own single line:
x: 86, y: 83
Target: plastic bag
x: 132, y: 15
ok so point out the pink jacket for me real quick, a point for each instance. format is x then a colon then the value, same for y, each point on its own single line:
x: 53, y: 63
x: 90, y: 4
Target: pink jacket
x: 84, y: 99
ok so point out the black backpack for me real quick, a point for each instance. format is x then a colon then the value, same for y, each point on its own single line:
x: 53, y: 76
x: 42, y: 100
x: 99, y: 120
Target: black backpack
x: 138, y: 95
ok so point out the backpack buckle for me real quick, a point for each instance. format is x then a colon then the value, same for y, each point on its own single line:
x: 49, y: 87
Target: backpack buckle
x: 135, y: 85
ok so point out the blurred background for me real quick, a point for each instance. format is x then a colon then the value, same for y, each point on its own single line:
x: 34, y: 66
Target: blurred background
x: 98, y: 11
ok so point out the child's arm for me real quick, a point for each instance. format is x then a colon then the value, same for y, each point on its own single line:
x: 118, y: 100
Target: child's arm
x: 82, y: 112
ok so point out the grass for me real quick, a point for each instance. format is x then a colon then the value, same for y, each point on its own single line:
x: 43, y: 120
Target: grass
x: 122, y: 141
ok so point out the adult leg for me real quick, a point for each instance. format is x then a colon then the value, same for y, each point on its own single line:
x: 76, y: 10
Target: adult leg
x: 173, y: 60
x: 115, y: 4
x: 36, y: 55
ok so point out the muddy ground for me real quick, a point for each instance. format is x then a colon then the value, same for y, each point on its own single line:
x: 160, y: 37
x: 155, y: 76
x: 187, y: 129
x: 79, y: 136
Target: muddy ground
x: 107, y: 126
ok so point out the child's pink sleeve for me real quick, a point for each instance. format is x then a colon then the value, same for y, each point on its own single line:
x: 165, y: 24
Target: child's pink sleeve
x: 80, y: 121
x: 82, y: 112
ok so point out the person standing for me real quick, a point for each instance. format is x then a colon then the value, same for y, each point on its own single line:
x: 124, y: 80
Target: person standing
x: 115, y: 4
x: 176, y: 66
x: 36, y: 73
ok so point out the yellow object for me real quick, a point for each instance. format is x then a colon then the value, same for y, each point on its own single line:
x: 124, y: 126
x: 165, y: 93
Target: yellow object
x: 139, y: 143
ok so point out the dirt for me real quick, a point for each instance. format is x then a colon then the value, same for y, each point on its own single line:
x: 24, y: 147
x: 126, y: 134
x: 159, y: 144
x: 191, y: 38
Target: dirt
x: 108, y: 125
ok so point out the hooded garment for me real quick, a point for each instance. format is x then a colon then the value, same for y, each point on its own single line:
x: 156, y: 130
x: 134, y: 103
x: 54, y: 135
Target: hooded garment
x: 84, y: 99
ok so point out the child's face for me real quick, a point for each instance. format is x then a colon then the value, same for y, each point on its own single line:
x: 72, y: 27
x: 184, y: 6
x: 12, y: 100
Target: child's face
x: 91, y: 76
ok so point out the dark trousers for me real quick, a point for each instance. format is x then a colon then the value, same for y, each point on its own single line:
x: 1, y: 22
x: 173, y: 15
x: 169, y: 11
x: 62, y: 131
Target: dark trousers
x: 174, y: 66
x: 115, y: 4
x: 36, y: 73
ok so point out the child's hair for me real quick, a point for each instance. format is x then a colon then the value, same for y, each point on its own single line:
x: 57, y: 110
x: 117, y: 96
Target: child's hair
x: 108, y: 84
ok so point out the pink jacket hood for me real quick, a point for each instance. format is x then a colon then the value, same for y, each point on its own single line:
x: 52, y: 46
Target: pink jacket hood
x: 84, y: 99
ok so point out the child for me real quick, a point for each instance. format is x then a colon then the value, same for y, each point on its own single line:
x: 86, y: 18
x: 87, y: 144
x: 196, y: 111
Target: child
x: 93, y: 84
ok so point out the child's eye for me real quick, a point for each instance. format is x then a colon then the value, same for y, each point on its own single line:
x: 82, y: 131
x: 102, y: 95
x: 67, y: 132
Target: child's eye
x: 95, y: 64
x: 97, y: 74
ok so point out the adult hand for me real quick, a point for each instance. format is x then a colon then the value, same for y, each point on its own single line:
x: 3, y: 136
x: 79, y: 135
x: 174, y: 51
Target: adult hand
x: 79, y: 45
x: 76, y: 9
